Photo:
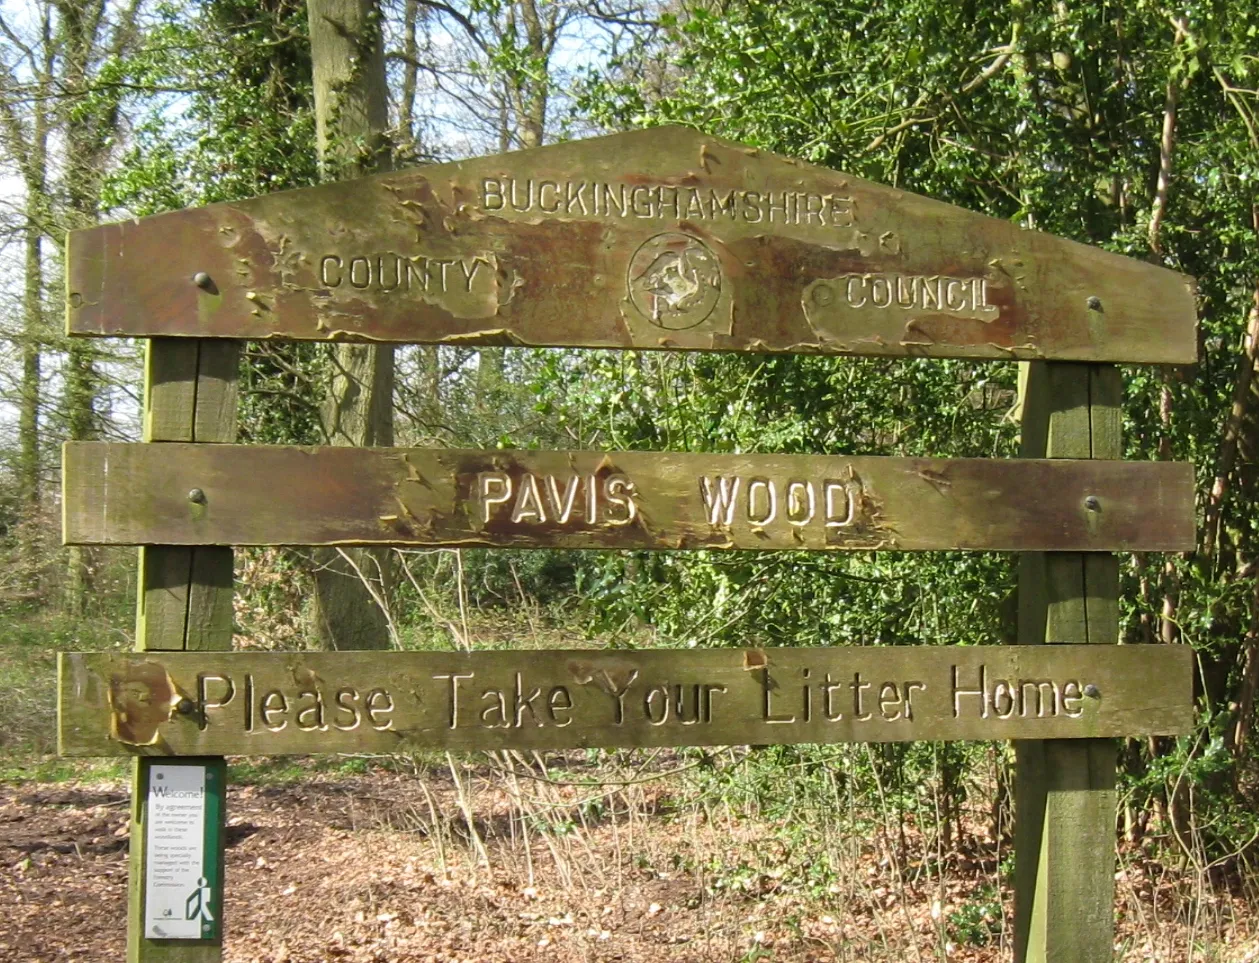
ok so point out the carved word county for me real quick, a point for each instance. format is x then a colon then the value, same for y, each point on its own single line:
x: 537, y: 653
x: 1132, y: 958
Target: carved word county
x: 391, y: 271
x: 606, y: 199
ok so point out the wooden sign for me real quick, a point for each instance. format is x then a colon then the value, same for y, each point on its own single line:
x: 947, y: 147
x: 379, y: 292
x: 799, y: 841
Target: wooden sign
x: 178, y: 494
x: 183, y: 849
x: 299, y: 702
x: 663, y: 238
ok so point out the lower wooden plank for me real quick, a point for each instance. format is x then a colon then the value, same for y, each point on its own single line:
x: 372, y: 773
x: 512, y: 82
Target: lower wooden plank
x: 272, y: 703
x: 117, y: 494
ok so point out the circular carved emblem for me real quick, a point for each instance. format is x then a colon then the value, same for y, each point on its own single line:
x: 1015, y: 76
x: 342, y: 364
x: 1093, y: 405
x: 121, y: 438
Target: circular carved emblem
x: 674, y: 280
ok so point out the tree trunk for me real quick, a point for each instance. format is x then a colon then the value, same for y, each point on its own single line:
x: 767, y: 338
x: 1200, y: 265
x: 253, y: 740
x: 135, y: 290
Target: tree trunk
x: 352, y: 587
x: 88, y: 133
x: 409, y: 146
x: 1240, y: 735
x: 28, y: 414
x: 531, y: 116
x: 28, y: 465
x: 1226, y: 459
x: 80, y: 395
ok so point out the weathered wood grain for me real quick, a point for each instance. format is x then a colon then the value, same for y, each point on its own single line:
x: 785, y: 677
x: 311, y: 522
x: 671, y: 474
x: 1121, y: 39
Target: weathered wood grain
x: 663, y: 238
x: 118, y: 494
x: 190, y: 395
x: 1065, y: 791
x: 299, y: 702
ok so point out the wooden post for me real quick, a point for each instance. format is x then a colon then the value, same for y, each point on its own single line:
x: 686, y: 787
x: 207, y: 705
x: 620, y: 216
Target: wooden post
x: 1064, y: 886
x: 184, y: 596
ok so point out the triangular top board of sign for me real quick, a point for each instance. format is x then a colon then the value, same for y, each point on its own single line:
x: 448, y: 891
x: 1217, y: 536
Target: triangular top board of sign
x: 661, y: 238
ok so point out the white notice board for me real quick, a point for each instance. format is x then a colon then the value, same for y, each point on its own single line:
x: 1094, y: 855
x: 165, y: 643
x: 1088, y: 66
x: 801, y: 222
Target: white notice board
x: 182, y: 892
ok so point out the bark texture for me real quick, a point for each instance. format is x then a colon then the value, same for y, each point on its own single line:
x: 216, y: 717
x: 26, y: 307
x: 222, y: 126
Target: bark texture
x: 352, y: 587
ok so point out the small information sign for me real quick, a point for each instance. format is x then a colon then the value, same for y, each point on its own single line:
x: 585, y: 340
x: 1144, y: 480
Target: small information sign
x: 183, y: 892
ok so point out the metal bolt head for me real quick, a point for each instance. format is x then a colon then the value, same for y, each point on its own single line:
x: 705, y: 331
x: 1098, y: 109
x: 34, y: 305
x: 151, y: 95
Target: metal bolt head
x: 1094, y: 303
x: 202, y: 280
x: 196, y: 496
x: 1093, y: 503
x: 1092, y: 691
x: 186, y: 707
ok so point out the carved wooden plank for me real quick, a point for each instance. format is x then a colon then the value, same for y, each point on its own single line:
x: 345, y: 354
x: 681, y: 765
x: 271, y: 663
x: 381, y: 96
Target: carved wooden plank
x: 663, y: 238
x: 299, y: 702
x: 252, y: 495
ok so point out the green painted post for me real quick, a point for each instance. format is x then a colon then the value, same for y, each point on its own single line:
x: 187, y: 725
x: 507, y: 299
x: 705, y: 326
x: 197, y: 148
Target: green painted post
x: 184, y: 598
x: 1064, y: 887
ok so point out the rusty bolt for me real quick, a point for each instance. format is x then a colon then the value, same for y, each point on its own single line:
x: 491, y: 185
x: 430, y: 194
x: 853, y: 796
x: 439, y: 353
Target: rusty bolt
x: 1092, y: 691
x: 196, y: 496
x: 1094, y: 303
x: 1093, y: 503
x: 202, y: 280
x: 186, y: 707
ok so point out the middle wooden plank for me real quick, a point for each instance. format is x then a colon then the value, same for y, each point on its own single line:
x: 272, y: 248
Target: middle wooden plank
x: 175, y: 494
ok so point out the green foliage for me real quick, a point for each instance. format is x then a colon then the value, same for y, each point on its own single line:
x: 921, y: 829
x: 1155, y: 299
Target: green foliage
x: 28, y: 673
x: 52, y: 769
x: 1050, y: 115
x: 234, y: 118
x: 978, y: 921
x: 236, y: 121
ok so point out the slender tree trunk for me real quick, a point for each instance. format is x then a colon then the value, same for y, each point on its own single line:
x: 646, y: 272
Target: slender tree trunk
x: 430, y: 407
x: 1240, y: 736
x: 1162, y: 189
x: 1177, y: 807
x: 1166, y: 154
x: 28, y: 466
x: 27, y: 144
x: 86, y: 134
x: 1242, y: 398
x: 531, y: 118
x: 410, y: 78
x: 352, y: 588
x: 36, y: 178
x: 80, y: 399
